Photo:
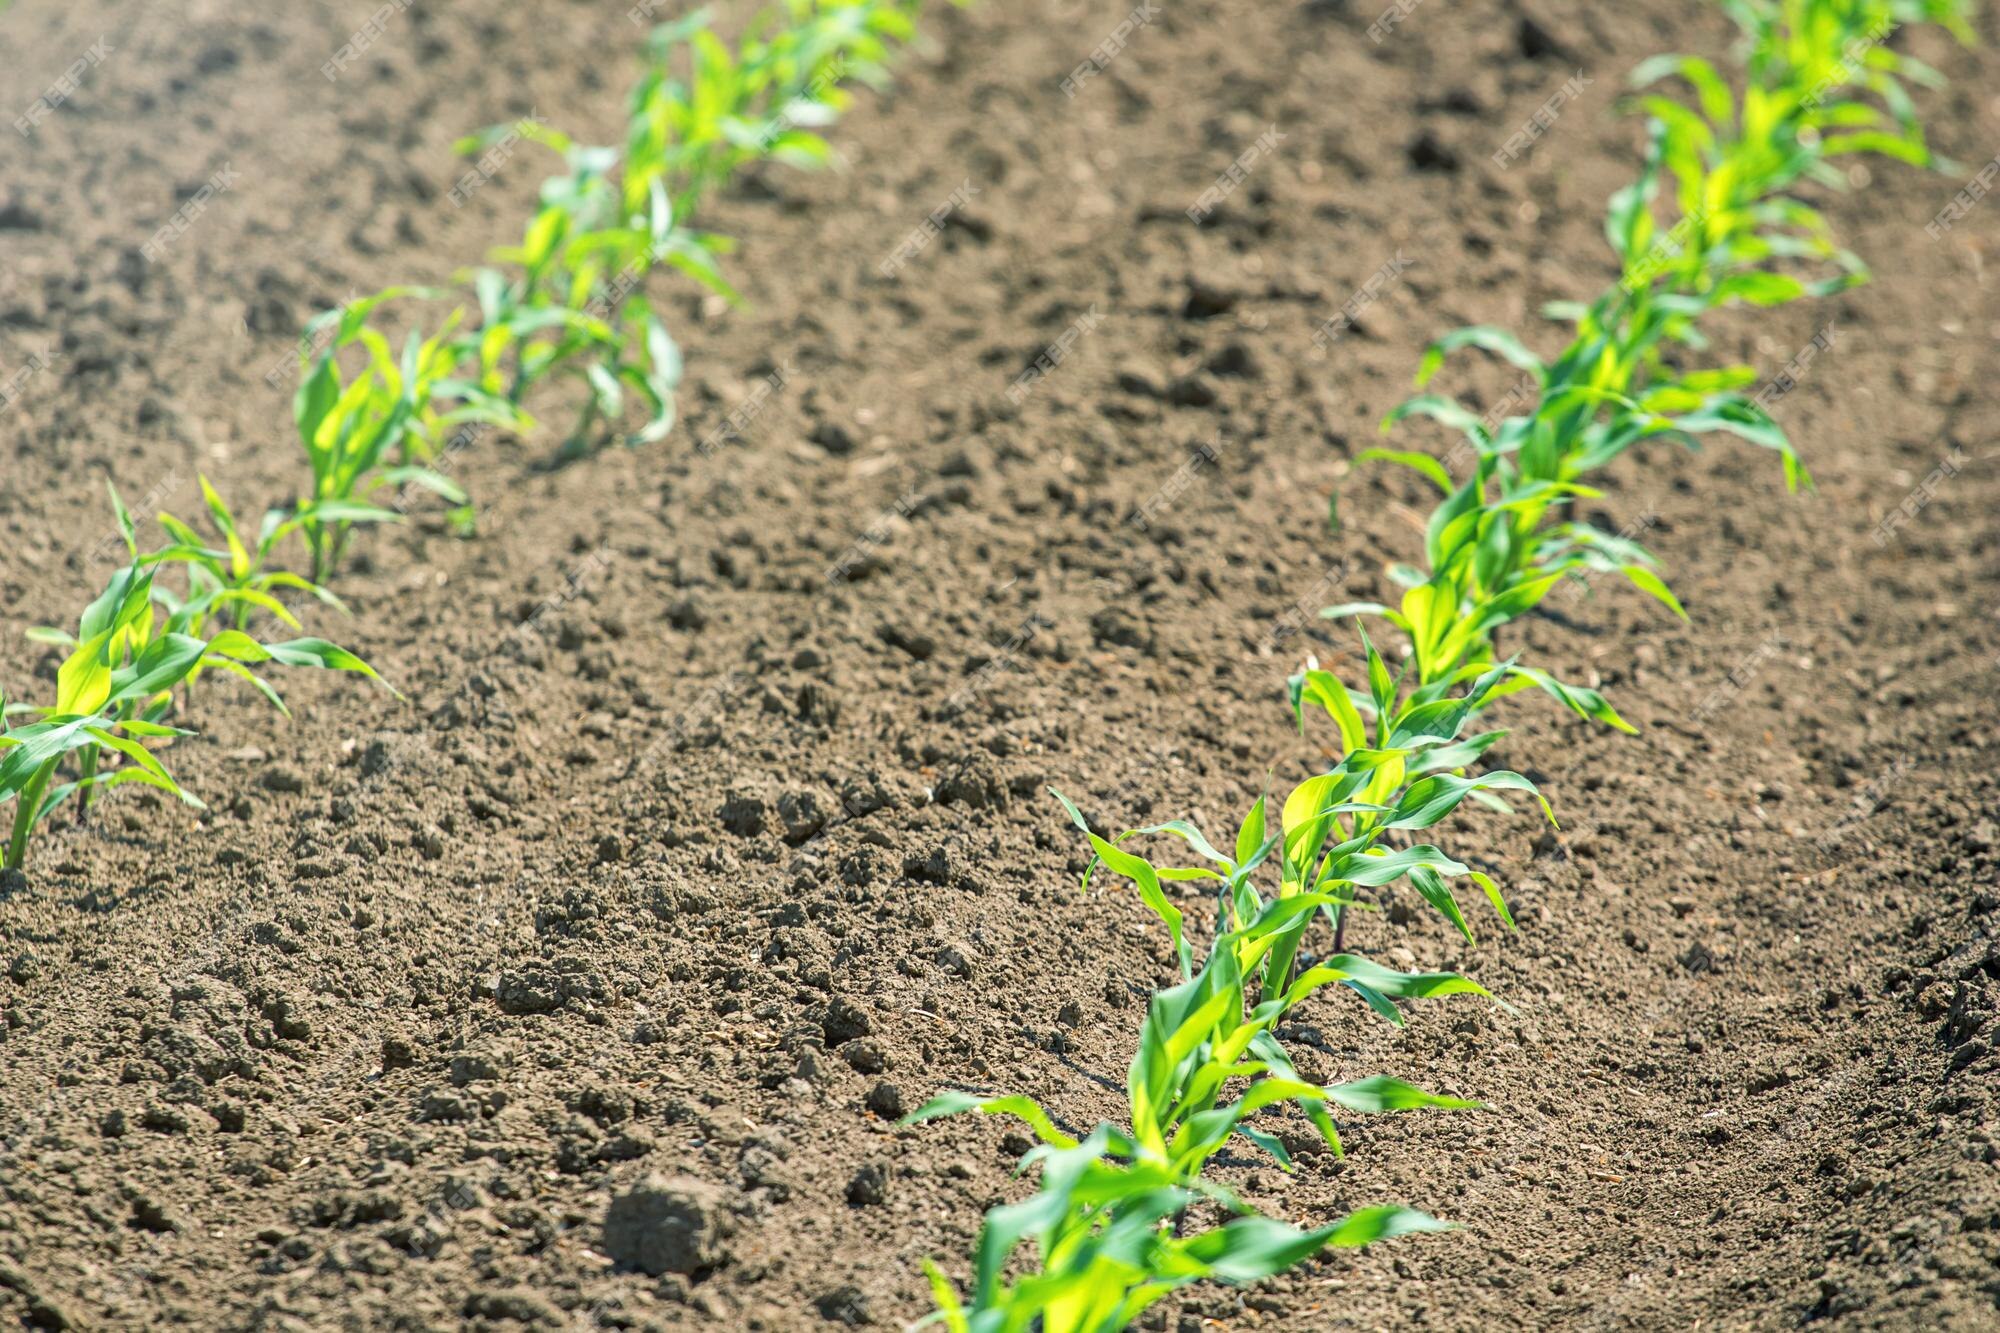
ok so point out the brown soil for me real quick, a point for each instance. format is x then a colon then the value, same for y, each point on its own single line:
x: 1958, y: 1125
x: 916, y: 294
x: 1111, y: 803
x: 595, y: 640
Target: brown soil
x: 728, y: 861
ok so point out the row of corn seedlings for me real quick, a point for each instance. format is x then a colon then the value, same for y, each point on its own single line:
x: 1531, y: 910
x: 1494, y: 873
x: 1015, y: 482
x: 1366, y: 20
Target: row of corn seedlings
x: 1124, y: 1215
x: 568, y: 299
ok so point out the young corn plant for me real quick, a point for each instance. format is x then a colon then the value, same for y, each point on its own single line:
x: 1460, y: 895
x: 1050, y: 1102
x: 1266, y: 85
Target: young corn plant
x: 568, y: 299
x: 1822, y: 83
x: 109, y: 699
x: 383, y: 427
x: 1405, y: 752
x: 1111, y: 1227
x: 568, y: 296
x: 1107, y: 1247
x: 235, y: 581
x: 1107, y: 1225
x: 136, y: 645
x: 1419, y: 741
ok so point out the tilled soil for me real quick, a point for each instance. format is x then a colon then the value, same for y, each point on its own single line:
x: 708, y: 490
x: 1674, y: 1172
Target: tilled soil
x: 713, y: 834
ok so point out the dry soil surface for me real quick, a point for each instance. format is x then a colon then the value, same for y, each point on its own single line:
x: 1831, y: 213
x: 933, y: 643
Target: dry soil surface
x: 741, y: 846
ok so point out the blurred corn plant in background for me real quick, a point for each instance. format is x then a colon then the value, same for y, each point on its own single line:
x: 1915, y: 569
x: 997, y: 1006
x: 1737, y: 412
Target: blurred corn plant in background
x: 1401, y: 770
x: 372, y: 420
x: 569, y: 295
x: 1710, y: 221
x: 569, y: 298
x: 384, y: 428
x: 1503, y: 537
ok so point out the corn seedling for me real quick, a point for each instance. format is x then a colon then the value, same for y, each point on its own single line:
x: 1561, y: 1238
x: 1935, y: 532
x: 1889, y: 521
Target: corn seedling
x: 1501, y: 540
x: 111, y: 692
x: 1402, y: 770
x: 379, y: 420
x: 1822, y: 83
x: 1107, y: 1225
x: 384, y: 426
x: 568, y: 294
x: 236, y: 580
x: 568, y: 298
x: 134, y: 646
x: 1110, y: 1224
x: 1450, y: 618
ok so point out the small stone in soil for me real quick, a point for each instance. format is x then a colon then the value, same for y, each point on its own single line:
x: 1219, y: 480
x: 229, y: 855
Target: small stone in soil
x: 886, y: 1100
x: 869, y: 1187
x: 666, y: 1225
x: 865, y: 1056
x: 845, y: 1020
x: 845, y: 1305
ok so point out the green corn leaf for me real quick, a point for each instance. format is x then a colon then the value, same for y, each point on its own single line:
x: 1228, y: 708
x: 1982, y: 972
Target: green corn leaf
x: 1435, y: 891
x: 1365, y: 1226
x: 1649, y: 582
x: 1382, y: 1093
x: 1423, y: 464
x: 1579, y: 700
x: 1485, y: 337
x: 1140, y: 872
x: 1387, y: 867
x: 1430, y: 799
x: 1250, y: 840
x: 1326, y: 690
x: 1446, y: 411
x: 1023, y: 1109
